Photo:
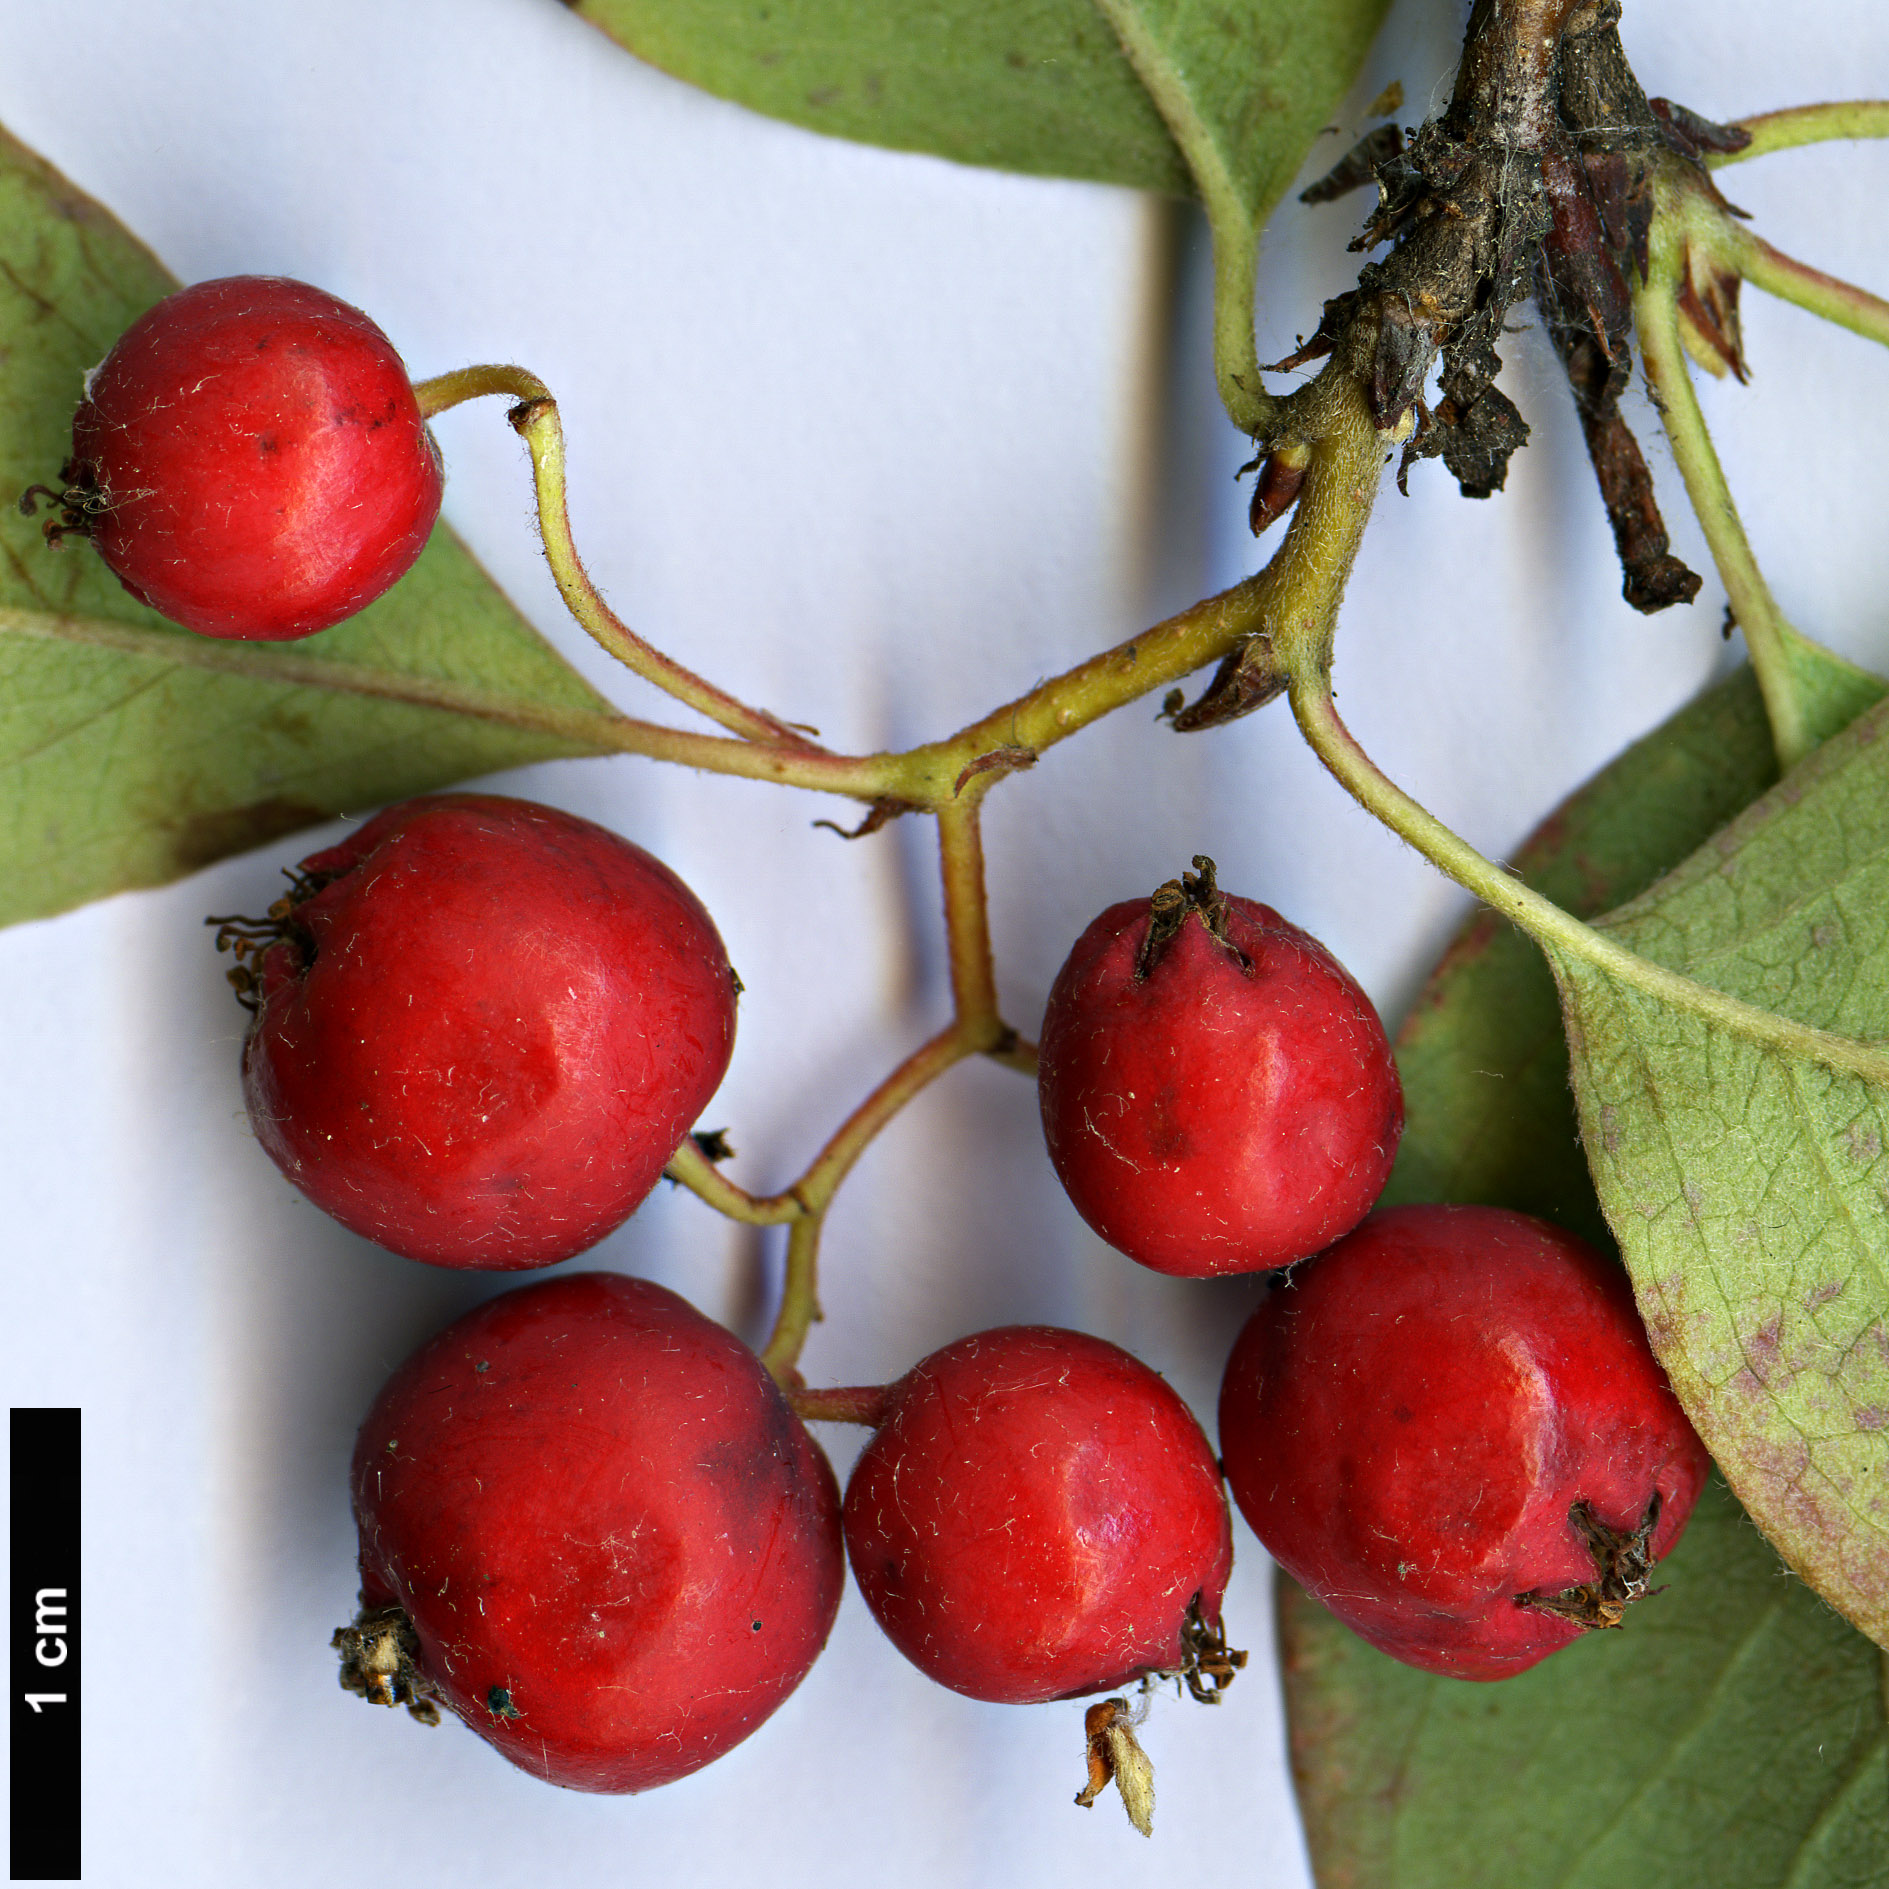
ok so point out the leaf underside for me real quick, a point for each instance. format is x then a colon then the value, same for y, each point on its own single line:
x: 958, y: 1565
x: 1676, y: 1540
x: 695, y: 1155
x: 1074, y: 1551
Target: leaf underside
x: 123, y: 764
x: 1749, y: 1186
x: 1734, y: 1733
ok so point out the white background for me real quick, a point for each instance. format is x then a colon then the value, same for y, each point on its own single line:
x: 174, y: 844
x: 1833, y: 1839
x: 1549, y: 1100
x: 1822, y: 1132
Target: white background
x: 876, y: 441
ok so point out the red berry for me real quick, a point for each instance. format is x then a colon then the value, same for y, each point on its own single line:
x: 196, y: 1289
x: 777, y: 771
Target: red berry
x: 1449, y: 1428
x: 483, y: 1028
x: 250, y: 460
x: 1217, y: 1094
x: 591, y: 1527
x: 1038, y: 1516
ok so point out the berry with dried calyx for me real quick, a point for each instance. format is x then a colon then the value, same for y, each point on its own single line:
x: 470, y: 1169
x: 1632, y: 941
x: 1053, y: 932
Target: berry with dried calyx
x: 1217, y: 1094
x: 250, y: 460
x: 592, y: 1529
x: 1038, y: 1516
x: 482, y: 1027
x: 1451, y: 1430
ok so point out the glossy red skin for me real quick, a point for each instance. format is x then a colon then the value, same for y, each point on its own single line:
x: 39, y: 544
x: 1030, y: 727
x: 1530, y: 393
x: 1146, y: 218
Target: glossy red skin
x: 1033, y: 1516
x: 511, y: 1020
x: 263, y: 460
x: 1407, y: 1420
x: 1215, y: 1117
x: 588, y: 1494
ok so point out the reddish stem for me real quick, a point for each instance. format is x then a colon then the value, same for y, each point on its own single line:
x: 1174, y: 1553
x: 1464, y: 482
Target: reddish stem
x: 843, y: 1403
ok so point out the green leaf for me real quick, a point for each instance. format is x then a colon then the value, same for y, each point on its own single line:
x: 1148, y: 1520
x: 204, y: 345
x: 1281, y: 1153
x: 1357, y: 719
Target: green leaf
x: 1746, y: 1179
x: 1733, y: 1736
x: 1227, y: 94
x: 132, y: 752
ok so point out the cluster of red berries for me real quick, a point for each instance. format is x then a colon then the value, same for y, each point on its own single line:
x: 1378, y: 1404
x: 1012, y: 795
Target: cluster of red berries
x: 591, y: 1523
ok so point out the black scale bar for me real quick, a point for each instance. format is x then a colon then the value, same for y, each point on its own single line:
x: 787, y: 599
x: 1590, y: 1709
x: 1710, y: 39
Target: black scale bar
x: 45, y: 1626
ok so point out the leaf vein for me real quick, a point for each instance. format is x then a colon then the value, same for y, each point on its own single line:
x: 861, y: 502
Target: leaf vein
x: 1694, y: 1730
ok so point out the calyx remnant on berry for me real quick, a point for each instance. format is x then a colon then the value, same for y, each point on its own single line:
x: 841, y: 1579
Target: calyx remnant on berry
x: 379, y: 1655
x: 1172, y: 903
x: 1623, y: 1560
x: 619, y: 1612
x: 1038, y: 1516
x: 80, y: 502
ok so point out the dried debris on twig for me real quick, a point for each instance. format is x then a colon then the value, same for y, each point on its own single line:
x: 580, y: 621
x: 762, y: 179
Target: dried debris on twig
x: 1537, y: 179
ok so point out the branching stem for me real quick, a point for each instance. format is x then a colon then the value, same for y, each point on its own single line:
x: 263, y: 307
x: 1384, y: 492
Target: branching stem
x: 1291, y: 602
x: 977, y: 1026
x: 1281, y: 619
x: 1656, y: 314
x: 800, y: 1306
x: 1297, y: 589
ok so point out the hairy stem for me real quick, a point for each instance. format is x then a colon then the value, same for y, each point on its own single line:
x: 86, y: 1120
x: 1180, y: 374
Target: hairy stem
x: 967, y: 922
x: 976, y: 1026
x: 1294, y: 598
x: 689, y: 1167
x: 1541, y: 918
x: 1656, y: 314
x: 535, y: 416
x: 1796, y: 282
x: 800, y: 1303
x: 445, y: 391
x: 1314, y: 564
x: 1807, y: 124
x: 929, y: 776
x: 538, y: 423
x: 918, y: 1071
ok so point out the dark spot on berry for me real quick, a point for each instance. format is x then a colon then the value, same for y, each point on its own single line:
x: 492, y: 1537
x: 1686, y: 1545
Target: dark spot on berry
x: 754, y: 1626
x: 499, y: 1703
x: 1402, y: 1413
